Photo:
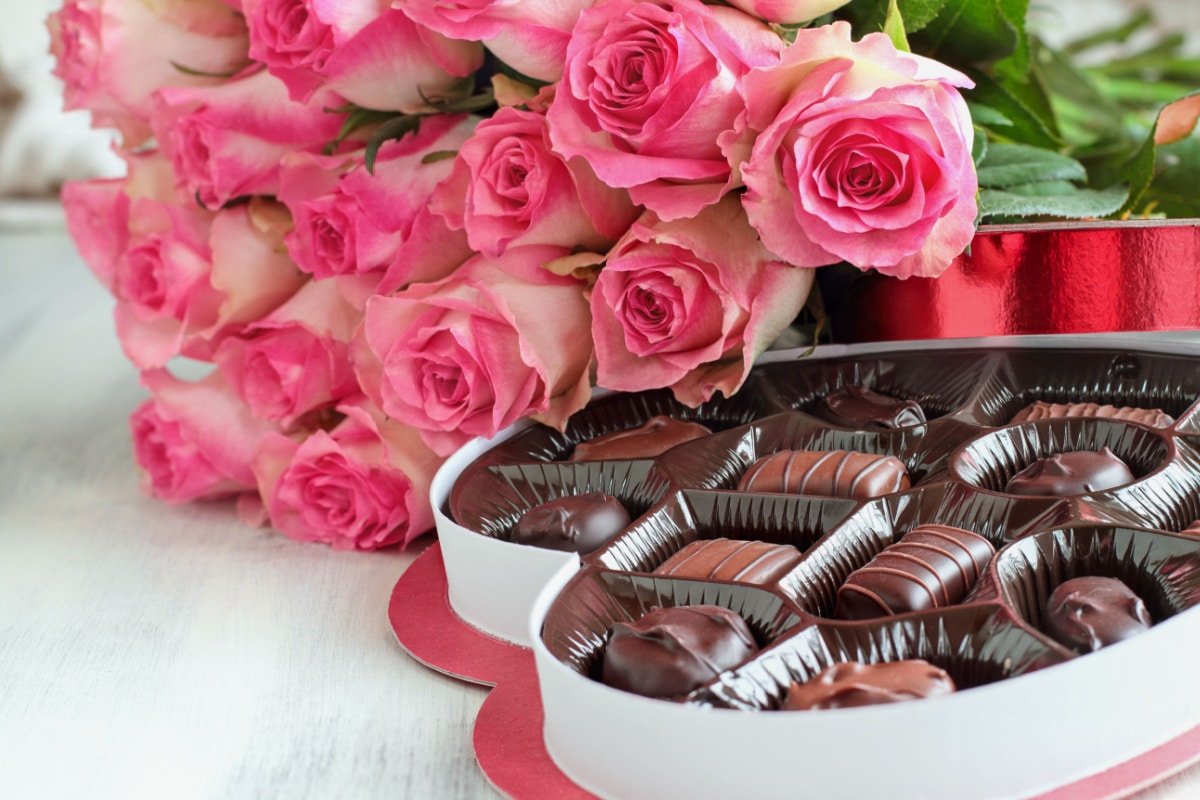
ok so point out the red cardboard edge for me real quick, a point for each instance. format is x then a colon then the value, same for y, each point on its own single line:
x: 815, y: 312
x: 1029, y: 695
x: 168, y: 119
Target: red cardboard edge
x: 507, y: 736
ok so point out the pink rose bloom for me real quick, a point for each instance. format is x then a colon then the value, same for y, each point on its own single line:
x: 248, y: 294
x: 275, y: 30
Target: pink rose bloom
x: 350, y: 222
x: 787, y: 12
x: 188, y: 277
x: 362, y: 485
x: 509, y: 188
x: 98, y: 221
x: 112, y: 55
x: 529, y: 35
x: 690, y: 304
x: 296, y: 359
x: 496, y: 341
x: 227, y: 141
x: 361, y: 49
x: 863, y: 154
x: 194, y: 441
x: 649, y: 89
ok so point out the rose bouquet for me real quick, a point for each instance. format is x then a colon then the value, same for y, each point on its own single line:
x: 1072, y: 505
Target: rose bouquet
x: 392, y: 225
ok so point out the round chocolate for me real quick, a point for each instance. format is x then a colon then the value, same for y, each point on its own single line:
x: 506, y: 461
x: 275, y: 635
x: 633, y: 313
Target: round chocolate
x: 1070, y: 473
x: 932, y: 566
x: 851, y: 684
x: 575, y: 523
x: 863, y: 408
x: 657, y: 436
x: 1091, y: 612
x: 668, y: 652
x: 836, y: 473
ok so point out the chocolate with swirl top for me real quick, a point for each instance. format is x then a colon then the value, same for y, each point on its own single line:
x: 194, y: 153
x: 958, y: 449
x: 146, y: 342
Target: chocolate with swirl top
x: 731, y: 560
x: 1154, y: 417
x: 657, y: 436
x: 1091, y: 612
x: 863, y: 408
x: 836, y: 473
x: 668, y: 652
x: 850, y: 684
x: 930, y: 567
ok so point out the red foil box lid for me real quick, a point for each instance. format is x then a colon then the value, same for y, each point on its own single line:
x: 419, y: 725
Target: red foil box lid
x: 1072, y: 277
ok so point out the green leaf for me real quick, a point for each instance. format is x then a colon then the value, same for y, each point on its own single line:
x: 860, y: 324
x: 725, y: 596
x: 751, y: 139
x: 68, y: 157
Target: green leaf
x: 1173, y: 190
x: 1114, y: 35
x: 869, y: 16
x: 1027, y: 127
x: 438, y: 155
x: 893, y: 26
x: 1012, y: 164
x: 1050, y: 199
x: 396, y: 128
x: 199, y: 73
x: 988, y: 117
x: 979, y: 147
x: 356, y: 118
x: 976, y: 31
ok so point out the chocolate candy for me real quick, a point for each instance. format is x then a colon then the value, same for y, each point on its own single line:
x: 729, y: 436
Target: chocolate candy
x: 1193, y: 529
x: 1075, y: 472
x: 932, y: 566
x: 668, y: 652
x: 860, y: 407
x: 731, y: 560
x: 657, y: 436
x: 838, y: 473
x: 850, y: 684
x: 1091, y: 612
x: 1155, y: 417
x: 576, y: 523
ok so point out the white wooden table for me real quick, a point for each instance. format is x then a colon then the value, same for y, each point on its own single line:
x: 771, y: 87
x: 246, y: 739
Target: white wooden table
x: 158, y: 652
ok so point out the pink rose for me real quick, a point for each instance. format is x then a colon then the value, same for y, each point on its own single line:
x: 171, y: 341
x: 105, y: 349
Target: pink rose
x: 509, y: 188
x: 187, y: 277
x: 194, y: 441
x: 98, y: 221
x: 227, y: 141
x: 530, y: 36
x: 649, y: 89
x: 114, y: 54
x: 787, y: 12
x: 296, y: 359
x: 690, y: 304
x: 360, y: 49
x: 350, y: 222
x: 362, y: 485
x: 863, y: 154
x: 496, y: 341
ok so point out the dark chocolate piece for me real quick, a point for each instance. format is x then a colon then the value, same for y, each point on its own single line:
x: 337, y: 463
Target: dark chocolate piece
x: 932, y: 566
x: 837, y: 473
x: 575, y: 523
x: 1154, y: 417
x: 1069, y: 473
x: 657, y: 436
x: 731, y: 560
x: 865, y: 409
x: 671, y: 651
x: 1091, y: 612
x: 851, y: 684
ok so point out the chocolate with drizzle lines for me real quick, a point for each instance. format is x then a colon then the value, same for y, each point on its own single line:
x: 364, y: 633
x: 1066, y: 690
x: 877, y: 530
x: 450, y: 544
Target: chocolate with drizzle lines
x: 837, y: 473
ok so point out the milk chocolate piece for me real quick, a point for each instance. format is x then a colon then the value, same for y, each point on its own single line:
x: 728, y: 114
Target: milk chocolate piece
x: 658, y: 435
x: 576, y: 523
x: 1069, y: 473
x: 668, y: 652
x: 932, y: 566
x: 863, y: 408
x: 1193, y: 529
x: 1154, y: 417
x: 837, y: 473
x: 851, y: 684
x: 1091, y: 612
x: 731, y: 560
